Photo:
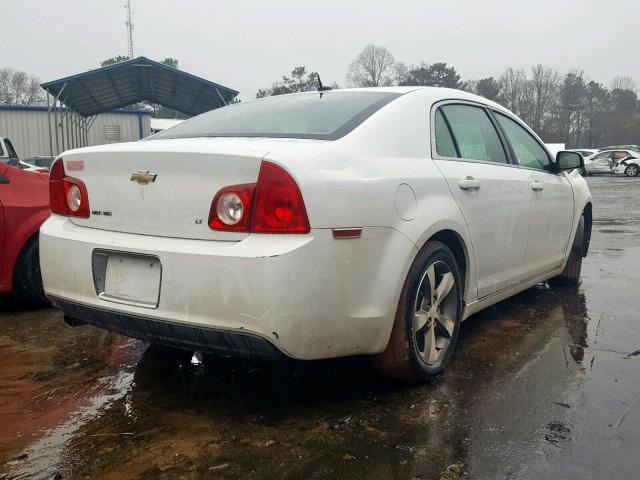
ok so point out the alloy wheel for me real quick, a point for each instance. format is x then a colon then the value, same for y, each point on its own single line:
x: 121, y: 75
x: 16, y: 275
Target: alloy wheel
x: 434, y: 313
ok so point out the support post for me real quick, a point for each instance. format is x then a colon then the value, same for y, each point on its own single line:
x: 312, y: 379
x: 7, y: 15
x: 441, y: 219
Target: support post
x: 56, y: 104
x: 49, y: 120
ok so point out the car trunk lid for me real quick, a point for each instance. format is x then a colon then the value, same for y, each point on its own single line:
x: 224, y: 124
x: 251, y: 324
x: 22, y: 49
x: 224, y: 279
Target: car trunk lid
x: 163, y: 187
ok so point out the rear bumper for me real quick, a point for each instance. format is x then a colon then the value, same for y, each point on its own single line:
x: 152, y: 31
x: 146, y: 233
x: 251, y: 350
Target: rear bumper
x: 309, y: 296
x: 201, y: 339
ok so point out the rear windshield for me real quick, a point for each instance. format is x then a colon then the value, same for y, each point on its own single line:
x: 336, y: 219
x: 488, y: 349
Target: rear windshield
x: 319, y: 115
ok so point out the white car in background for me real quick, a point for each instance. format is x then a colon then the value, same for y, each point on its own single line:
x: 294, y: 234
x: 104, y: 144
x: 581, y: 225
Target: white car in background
x: 605, y: 160
x: 315, y: 225
x: 9, y: 156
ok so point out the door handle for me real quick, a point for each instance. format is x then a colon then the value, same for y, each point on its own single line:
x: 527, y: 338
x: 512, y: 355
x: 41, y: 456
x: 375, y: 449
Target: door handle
x: 469, y: 183
x: 536, y: 185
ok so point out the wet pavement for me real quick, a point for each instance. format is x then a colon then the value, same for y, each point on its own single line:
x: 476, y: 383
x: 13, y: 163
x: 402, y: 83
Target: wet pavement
x: 544, y: 385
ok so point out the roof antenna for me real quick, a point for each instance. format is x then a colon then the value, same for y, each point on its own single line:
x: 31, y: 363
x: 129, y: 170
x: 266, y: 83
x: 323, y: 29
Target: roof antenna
x: 321, y: 88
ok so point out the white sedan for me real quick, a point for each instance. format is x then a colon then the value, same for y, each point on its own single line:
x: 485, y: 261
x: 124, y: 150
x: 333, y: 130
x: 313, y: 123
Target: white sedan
x: 315, y: 225
x: 606, y: 161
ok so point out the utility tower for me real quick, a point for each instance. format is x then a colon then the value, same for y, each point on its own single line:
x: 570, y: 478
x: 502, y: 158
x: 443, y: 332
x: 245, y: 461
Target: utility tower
x: 129, y: 25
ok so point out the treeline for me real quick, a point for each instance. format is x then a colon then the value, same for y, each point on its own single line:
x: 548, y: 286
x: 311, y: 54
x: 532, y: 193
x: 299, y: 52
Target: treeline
x: 561, y: 107
x: 19, y: 88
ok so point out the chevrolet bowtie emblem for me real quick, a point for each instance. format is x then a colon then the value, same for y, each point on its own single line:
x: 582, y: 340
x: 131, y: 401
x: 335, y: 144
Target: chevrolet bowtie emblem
x: 143, y: 177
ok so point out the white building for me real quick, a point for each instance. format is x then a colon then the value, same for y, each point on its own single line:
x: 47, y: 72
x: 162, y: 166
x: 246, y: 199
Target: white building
x: 160, y: 124
x: 28, y: 128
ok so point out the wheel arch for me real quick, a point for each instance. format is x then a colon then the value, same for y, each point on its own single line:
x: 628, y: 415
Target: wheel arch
x: 21, y: 253
x: 456, y: 243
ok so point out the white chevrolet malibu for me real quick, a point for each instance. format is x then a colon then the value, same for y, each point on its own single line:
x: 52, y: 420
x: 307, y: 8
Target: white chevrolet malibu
x: 315, y: 225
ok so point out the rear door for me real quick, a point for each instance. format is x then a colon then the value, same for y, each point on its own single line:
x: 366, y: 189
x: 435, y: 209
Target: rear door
x: 492, y: 193
x: 551, y: 218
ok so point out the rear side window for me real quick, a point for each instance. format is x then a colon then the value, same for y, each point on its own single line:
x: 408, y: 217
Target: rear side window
x: 444, y: 141
x: 317, y: 115
x: 474, y: 133
x: 528, y: 151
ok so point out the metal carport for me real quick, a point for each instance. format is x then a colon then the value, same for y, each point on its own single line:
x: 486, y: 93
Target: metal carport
x: 74, y: 101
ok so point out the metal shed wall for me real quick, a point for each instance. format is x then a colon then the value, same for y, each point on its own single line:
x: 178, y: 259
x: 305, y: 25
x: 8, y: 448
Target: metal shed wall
x: 28, y: 128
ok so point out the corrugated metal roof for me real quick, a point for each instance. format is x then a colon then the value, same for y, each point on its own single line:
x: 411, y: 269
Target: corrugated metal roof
x: 40, y: 108
x: 136, y: 80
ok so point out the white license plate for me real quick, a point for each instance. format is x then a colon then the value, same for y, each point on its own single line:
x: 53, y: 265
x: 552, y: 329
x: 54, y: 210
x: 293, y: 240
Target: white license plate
x: 132, y: 279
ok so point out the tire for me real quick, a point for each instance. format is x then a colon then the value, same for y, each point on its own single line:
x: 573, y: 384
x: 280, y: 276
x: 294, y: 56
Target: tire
x: 408, y: 356
x: 27, y: 280
x: 572, y: 270
x: 632, y: 171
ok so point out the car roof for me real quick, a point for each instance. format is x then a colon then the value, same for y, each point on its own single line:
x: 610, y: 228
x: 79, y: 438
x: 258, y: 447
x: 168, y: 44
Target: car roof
x: 433, y: 94
x: 630, y: 151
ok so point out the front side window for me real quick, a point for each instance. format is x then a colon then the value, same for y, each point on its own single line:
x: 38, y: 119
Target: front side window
x: 602, y: 155
x: 474, y: 134
x: 526, y: 148
x: 315, y: 115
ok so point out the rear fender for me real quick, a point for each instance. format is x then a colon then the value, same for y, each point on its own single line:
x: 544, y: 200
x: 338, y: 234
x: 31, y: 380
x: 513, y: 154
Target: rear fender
x: 25, y: 206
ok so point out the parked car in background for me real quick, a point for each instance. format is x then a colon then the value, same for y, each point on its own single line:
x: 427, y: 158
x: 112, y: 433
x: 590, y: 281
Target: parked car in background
x: 9, y: 156
x: 315, y: 225
x: 605, y: 160
x: 41, y: 161
x: 24, y: 205
x: 629, y: 166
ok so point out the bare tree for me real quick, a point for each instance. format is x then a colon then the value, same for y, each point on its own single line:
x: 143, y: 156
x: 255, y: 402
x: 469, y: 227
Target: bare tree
x: 624, y: 82
x: 373, y: 67
x: 19, y: 88
x: 571, y: 105
x: 516, y: 93
x: 544, y: 84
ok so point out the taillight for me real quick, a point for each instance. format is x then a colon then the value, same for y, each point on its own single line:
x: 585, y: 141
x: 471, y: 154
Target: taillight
x: 272, y: 205
x: 279, y: 207
x: 231, y: 208
x: 67, y: 195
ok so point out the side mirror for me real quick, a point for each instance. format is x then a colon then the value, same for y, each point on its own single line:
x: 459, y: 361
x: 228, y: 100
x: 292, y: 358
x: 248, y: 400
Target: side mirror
x: 566, y: 160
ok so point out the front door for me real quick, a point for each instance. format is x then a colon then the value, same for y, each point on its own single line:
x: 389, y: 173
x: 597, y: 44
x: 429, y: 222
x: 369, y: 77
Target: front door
x: 551, y: 217
x: 600, y: 163
x: 492, y: 193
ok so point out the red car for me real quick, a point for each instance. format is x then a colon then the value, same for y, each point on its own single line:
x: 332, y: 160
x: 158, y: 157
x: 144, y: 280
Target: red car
x: 24, y: 205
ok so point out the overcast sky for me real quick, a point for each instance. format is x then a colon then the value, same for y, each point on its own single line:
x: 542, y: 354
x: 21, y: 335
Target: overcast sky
x: 247, y: 45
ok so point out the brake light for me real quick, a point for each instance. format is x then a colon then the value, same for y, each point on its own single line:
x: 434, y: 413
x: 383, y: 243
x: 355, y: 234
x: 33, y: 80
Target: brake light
x: 272, y: 205
x: 67, y: 195
x: 279, y: 207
